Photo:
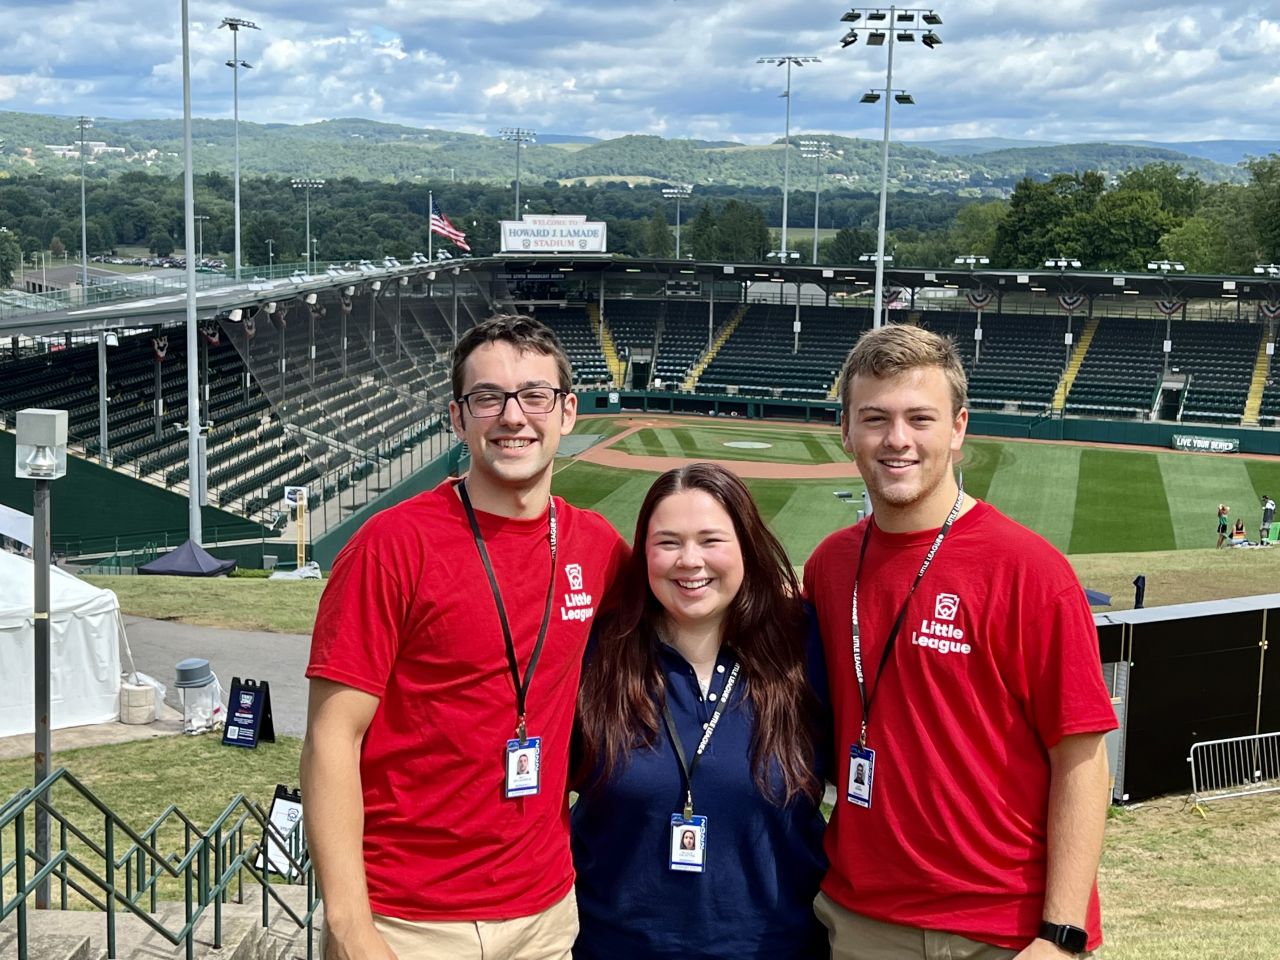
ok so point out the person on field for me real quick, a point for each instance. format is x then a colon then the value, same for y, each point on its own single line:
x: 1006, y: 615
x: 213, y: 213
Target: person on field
x: 697, y: 833
x: 1268, y: 515
x: 966, y: 680
x: 444, y: 670
x: 1223, y: 523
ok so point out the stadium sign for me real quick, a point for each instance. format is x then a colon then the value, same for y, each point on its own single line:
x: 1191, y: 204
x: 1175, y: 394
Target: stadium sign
x: 1182, y: 441
x: 554, y: 234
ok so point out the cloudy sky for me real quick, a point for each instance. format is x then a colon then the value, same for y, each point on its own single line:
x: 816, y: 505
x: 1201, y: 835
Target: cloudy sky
x: 1071, y: 70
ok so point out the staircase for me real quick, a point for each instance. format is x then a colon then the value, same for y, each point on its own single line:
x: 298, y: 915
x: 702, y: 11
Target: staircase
x: 617, y: 369
x: 1261, y: 366
x: 1073, y: 366
x: 725, y: 333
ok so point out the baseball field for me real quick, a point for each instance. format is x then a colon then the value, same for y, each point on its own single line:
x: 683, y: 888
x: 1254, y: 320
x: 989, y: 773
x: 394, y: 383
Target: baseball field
x: 1088, y: 501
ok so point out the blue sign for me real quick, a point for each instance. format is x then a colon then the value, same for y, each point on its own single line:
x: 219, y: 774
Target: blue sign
x: 248, y: 714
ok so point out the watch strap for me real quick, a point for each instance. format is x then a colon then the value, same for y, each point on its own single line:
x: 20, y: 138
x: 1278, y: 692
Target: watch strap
x: 1064, y: 935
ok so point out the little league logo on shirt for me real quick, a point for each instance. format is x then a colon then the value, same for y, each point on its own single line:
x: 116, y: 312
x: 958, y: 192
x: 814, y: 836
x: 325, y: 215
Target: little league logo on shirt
x: 578, y: 605
x: 941, y: 633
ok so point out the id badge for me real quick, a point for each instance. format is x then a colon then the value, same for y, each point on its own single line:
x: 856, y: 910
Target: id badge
x: 862, y: 768
x: 524, y: 767
x: 688, y: 843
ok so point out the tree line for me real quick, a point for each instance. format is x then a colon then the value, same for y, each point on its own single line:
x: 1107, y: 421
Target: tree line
x: 1158, y: 211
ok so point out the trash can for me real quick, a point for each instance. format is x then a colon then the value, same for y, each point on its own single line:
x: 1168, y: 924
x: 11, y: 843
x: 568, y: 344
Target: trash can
x: 201, y: 696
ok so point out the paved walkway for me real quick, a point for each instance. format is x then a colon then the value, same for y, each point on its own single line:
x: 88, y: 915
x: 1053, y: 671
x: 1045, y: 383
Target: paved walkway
x: 158, y: 645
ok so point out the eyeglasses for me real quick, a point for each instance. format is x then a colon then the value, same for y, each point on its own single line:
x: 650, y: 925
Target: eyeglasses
x: 491, y: 403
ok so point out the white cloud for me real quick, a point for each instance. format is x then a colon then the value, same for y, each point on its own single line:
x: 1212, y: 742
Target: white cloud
x: 1077, y: 70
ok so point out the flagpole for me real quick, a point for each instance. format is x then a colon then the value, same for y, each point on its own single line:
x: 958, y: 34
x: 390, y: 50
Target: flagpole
x: 431, y: 209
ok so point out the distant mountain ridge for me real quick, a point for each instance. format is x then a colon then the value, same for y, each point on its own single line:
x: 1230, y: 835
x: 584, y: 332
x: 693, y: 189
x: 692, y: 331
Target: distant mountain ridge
x: 374, y: 150
x: 1220, y: 151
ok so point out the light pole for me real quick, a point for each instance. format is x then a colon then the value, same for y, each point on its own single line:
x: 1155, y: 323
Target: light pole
x: 83, y: 123
x: 235, y: 63
x: 199, y: 218
x: 41, y: 456
x: 519, y: 136
x: 784, y: 253
x: 307, y: 184
x: 1169, y: 306
x: 817, y: 150
x: 195, y: 443
x: 315, y: 252
x: 680, y: 192
x: 891, y: 24
x: 271, y: 255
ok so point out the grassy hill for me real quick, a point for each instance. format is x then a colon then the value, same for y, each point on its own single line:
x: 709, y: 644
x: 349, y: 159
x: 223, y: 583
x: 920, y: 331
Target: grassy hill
x: 371, y: 150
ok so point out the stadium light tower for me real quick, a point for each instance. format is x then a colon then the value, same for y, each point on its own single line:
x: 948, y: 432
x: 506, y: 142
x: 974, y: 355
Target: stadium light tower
x: 519, y: 136
x: 307, y: 184
x: 84, y: 123
x: 783, y: 253
x: 1062, y: 263
x: 1167, y: 266
x: 200, y: 218
x: 817, y: 150
x: 195, y: 462
x: 972, y: 260
x: 234, y: 24
x: 680, y: 192
x: 901, y: 24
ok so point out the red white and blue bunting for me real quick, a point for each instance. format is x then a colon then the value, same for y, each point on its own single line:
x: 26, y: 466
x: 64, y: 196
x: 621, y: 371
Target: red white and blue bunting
x: 250, y: 327
x: 160, y: 347
x: 212, y: 334
x: 980, y: 299
x: 1170, y: 307
x: 1269, y: 310
x: 1071, y: 302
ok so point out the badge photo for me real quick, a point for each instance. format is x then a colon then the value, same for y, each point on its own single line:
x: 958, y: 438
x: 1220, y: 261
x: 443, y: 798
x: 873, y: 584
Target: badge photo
x: 524, y: 767
x: 688, y: 843
x: 862, y: 767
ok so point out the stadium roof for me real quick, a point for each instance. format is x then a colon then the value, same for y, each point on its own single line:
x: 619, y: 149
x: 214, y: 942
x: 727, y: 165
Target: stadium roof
x: 29, y: 317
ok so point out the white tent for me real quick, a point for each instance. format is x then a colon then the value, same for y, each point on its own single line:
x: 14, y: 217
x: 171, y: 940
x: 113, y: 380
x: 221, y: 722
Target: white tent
x: 84, y: 640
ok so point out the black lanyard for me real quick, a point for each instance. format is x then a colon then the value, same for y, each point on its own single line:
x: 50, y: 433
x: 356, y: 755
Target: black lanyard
x: 522, y: 686
x: 687, y: 768
x: 902, y: 613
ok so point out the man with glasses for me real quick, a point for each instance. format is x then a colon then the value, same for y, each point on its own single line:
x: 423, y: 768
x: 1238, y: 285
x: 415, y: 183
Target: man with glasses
x: 444, y: 668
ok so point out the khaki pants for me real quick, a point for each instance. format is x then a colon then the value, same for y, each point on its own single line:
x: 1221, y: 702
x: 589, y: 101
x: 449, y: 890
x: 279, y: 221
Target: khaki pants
x: 548, y: 935
x: 855, y: 937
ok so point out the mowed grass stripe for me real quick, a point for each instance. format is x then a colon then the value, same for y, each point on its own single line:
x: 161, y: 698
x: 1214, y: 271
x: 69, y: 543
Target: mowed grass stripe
x: 1035, y: 484
x: 688, y: 443
x: 816, y: 448
x: 1120, y: 504
x: 1195, y: 485
x: 811, y: 512
x: 649, y: 441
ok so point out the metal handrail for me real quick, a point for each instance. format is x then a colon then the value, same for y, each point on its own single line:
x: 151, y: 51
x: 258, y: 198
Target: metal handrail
x: 144, y: 864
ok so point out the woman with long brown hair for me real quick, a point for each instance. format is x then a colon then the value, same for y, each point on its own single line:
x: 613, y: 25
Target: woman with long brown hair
x: 697, y: 831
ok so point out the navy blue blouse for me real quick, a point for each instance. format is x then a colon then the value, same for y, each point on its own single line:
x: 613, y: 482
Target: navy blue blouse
x: 763, y: 862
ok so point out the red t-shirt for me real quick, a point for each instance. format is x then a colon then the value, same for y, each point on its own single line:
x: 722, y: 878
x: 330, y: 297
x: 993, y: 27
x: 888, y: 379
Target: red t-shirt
x: 409, y: 617
x: 997, y: 660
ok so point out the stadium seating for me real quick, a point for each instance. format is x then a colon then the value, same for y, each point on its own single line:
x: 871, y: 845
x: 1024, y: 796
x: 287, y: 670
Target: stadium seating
x: 762, y: 357
x: 1121, y: 373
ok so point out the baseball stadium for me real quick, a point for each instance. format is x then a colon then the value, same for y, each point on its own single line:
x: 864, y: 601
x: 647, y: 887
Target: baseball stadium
x: 1112, y: 423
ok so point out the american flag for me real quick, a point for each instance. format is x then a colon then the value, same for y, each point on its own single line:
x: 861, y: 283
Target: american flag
x: 441, y: 227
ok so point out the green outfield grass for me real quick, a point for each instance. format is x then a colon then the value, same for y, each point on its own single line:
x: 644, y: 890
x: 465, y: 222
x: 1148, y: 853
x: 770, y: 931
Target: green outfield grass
x: 1082, y: 499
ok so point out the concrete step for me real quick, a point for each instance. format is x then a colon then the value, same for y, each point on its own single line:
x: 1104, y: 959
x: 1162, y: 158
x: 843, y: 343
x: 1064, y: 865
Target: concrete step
x: 82, y: 934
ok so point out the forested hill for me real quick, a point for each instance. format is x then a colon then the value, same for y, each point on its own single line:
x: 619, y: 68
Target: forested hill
x: 370, y: 150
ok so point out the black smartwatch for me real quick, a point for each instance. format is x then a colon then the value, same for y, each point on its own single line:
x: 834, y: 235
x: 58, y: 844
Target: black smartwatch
x: 1069, y: 938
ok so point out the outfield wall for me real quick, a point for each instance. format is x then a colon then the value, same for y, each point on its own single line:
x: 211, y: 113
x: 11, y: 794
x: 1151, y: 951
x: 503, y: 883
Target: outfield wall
x: 96, y: 510
x: 981, y: 423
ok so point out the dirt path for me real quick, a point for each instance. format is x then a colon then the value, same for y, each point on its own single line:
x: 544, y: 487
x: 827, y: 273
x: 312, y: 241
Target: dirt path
x: 604, y: 455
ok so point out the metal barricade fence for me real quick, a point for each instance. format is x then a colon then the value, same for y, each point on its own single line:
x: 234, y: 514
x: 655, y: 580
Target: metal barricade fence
x: 1235, y: 767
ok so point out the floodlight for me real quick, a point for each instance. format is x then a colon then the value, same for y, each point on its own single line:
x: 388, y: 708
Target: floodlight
x: 906, y: 17
x: 853, y: 16
x: 375, y: 286
x: 236, y: 315
x: 903, y: 98
x: 906, y: 37
x: 310, y: 299
x: 931, y: 40
x: 870, y: 97
x: 876, y: 38
x: 877, y: 15
x: 932, y: 19
x: 849, y: 39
